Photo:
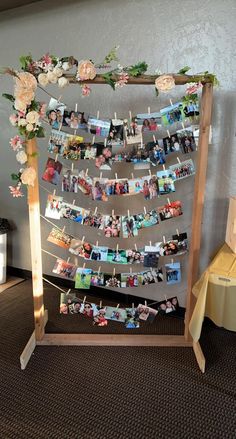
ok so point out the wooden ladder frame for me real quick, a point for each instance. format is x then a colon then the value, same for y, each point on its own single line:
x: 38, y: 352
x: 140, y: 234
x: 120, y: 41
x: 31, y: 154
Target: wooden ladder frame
x: 39, y: 337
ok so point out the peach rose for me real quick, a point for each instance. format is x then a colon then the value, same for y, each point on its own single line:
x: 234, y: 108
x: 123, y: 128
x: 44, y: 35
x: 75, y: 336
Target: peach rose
x: 86, y: 70
x: 32, y: 117
x: 28, y: 176
x: 24, y: 96
x: 26, y: 81
x: 20, y: 106
x: 165, y: 83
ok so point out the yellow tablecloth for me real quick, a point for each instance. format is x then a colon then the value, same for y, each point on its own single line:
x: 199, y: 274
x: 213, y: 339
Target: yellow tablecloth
x: 216, y: 294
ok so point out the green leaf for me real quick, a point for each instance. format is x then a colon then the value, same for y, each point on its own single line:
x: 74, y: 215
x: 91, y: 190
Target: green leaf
x: 137, y: 69
x: 25, y: 61
x: 34, y: 105
x: 184, y: 70
x: 9, y: 97
x: 109, y: 80
x: 15, y: 177
x: 40, y: 132
x: 35, y: 154
x: 31, y: 135
x: 190, y: 98
x: 111, y: 56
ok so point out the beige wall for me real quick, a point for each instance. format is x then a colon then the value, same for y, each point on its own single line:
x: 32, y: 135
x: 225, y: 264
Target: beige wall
x: 168, y: 36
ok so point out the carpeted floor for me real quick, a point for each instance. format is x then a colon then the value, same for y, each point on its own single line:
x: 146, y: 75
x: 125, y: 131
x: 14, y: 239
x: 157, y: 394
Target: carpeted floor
x: 111, y: 392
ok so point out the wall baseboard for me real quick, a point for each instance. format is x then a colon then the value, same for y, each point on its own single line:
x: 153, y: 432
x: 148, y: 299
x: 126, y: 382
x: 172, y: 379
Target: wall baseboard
x: 101, y: 293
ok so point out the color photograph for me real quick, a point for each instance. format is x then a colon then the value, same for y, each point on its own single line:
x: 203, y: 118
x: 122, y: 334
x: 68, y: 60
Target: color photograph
x: 54, y: 113
x: 133, y: 131
x: 99, y: 127
x: 99, y: 253
x: 52, y: 171
x: 129, y: 226
x: 73, y: 213
x: 167, y: 306
x: 148, y: 219
x: 145, y: 313
x: 97, y: 279
x: 115, y: 314
x: 80, y: 248
x: 116, y: 133
x: 182, y: 170
x: 165, y: 182
x: 130, y: 280
x: 186, y: 140
x: 83, y: 278
x: 60, y: 238
x: 53, y: 207
x: 173, y: 273
x: 172, y: 113
x: 135, y: 256
x: 116, y: 256
x: 170, y: 210
x: 152, y: 276
x: 112, y: 226
x: 64, y: 269
x: 112, y: 281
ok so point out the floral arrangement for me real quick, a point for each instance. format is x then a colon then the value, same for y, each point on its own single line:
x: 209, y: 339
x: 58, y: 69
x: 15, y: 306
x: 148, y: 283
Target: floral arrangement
x: 28, y: 113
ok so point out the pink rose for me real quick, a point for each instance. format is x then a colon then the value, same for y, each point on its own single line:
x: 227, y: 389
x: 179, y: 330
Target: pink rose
x: 16, y: 143
x: 86, y: 90
x: 26, y: 81
x: 13, y: 119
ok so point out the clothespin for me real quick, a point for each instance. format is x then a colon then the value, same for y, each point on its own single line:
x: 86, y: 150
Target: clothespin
x: 100, y: 174
x: 63, y: 230
x: 128, y: 213
x: 56, y: 157
x: 118, y: 305
x: 114, y: 272
x: 84, y: 265
x: 165, y: 297
x: 83, y: 239
x: 98, y: 114
x: 99, y: 269
x: 86, y: 173
x: 168, y: 200
x: 72, y: 167
x: 164, y: 168
x: 171, y: 103
x: 68, y: 292
x: 182, y: 125
x: 115, y: 116
x: 145, y: 210
x: 60, y: 126
x: 116, y: 176
x: 172, y: 261
x: 96, y: 209
x: 178, y: 160
x: 93, y: 140
x: 149, y: 110
x: 117, y: 247
x: 124, y: 143
x: 150, y: 173
x: 105, y: 142
x: 132, y: 175
x: 150, y: 243
x: 177, y: 231
x: 168, y: 133
x: 59, y: 99
x: 141, y: 143
x: 54, y: 192
x: 130, y: 270
x: 100, y: 304
x: 84, y: 300
x: 164, y: 239
x: 76, y: 108
x: 154, y: 138
x: 145, y: 303
x: 133, y: 305
x: 130, y: 115
x: 75, y: 132
x: 96, y: 243
x: 68, y: 260
x: 135, y: 246
x: 73, y: 202
x: 112, y: 212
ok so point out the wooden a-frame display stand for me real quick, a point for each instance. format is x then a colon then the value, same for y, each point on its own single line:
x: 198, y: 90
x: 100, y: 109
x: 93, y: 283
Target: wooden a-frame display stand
x: 39, y: 337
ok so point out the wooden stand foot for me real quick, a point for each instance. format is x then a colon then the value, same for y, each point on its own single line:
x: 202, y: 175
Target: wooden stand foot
x: 199, y: 356
x: 30, y: 346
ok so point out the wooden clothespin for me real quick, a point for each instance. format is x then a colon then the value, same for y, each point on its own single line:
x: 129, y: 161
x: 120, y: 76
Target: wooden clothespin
x: 130, y: 270
x: 84, y: 264
x: 115, y: 115
x: 54, y: 192
x: 150, y: 243
x: 99, y: 269
x: 118, y: 305
x: 164, y: 239
x: 56, y: 157
x: 130, y: 115
x: 112, y: 212
x: 60, y: 127
x: 117, y: 247
x: 168, y: 133
x: 168, y: 200
x: 172, y: 260
x: 84, y: 300
x: 93, y: 140
x: 83, y: 239
x: 98, y: 114
x: 73, y: 202
x: 95, y: 211
x: 165, y: 297
x: 96, y: 243
x: 154, y: 138
x: 171, y: 103
x: 132, y: 175
x: 164, y: 168
x: 105, y: 142
x: 68, y: 292
x: 75, y: 132
x: 76, y: 108
x: 135, y: 246
x: 145, y: 303
x: 177, y: 231
x: 182, y: 125
x: 72, y: 167
x: 114, y: 272
x: 116, y: 176
x: 149, y: 110
x: 150, y: 173
x: 100, y: 304
x: 100, y: 174
x: 133, y: 305
x: 68, y: 260
x: 86, y: 172
x: 178, y: 160
x: 128, y: 213
x: 63, y: 230
x: 145, y: 210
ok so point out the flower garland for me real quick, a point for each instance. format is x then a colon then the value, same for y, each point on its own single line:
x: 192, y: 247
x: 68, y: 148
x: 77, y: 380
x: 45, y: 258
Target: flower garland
x: 50, y: 69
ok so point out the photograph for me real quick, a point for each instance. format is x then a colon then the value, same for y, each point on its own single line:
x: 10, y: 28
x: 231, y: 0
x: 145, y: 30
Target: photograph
x: 172, y: 113
x: 152, y: 276
x: 84, y: 183
x: 97, y: 279
x: 64, y: 269
x: 135, y: 256
x: 182, y: 170
x: 99, y: 127
x: 187, y: 140
x: 170, y: 210
x: 165, y: 182
x: 70, y: 304
x: 145, y: 313
x: 150, y: 187
x: 149, y: 121
x: 191, y: 109
x: 115, y: 314
x: 89, y: 309
x: 99, y: 253
x: 83, y: 278
x: 59, y: 238
x: 156, y: 154
x: 131, y: 321
x: 133, y: 131
x: 69, y: 182
x: 80, y: 248
x: 129, y: 227
x: 112, y: 281
x: 53, y: 207
x: 167, y: 306
x: 168, y: 248
x: 52, y: 171
x: 171, y: 144
x: 182, y: 240
x: 173, y: 273
x: 99, y: 189
x: 130, y: 280
x: 72, y: 148
x: 117, y: 256
x: 117, y: 187
x: 88, y: 151
x: 112, y: 226
x: 135, y: 186
x: 116, y: 133
x: 75, y: 120
x: 58, y: 142
x: 94, y: 220
x: 73, y: 213
x: 54, y: 113
x: 99, y: 319
x: 151, y: 259
x: 148, y: 219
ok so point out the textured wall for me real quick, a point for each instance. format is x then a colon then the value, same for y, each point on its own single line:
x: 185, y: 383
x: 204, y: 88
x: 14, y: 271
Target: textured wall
x: 168, y: 35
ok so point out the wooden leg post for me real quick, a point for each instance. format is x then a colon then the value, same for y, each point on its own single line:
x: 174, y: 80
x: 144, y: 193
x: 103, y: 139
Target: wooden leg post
x: 198, y: 202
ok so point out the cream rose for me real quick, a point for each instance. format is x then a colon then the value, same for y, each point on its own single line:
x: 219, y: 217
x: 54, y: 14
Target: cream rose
x: 32, y: 117
x: 22, y: 123
x: 21, y: 157
x: 66, y: 65
x: 26, y: 81
x: 57, y: 71
x: 29, y: 127
x: 62, y: 82
x: 28, y: 176
x: 24, y: 96
x: 86, y: 70
x: 43, y: 79
x: 20, y: 106
x: 165, y: 83
x: 52, y: 77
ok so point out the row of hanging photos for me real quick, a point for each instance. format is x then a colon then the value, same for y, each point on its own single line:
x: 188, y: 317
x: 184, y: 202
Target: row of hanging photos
x: 115, y: 117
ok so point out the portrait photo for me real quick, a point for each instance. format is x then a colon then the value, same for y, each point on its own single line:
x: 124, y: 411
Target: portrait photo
x: 99, y: 253
x: 130, y: 280
x: 135, y: 256
x: 52, y: 171
x: 83, y: 278
x: 111, y: 226
x: 145, y: 313
x: 148, y: 219
x: 64, y: 269
x: 168, y: 306
x: 112, y: 281
x: 173, y: 273
x: 165, y: 182
x: 133, y: 131
x: 129, y: 226
x: 53, y: 207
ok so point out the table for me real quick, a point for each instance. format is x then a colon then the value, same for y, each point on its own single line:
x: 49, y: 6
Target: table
x: 216, y: 294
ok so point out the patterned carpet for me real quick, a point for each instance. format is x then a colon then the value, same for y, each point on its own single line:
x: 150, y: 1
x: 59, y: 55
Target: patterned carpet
x: 111, y: 392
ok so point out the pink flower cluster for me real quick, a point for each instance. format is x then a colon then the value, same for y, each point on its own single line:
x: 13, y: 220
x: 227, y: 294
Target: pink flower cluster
x: 123, y: 79
x: 86, y: 90
x: 16, y: 143
x: 16, y: 191
x: 193, y: 88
